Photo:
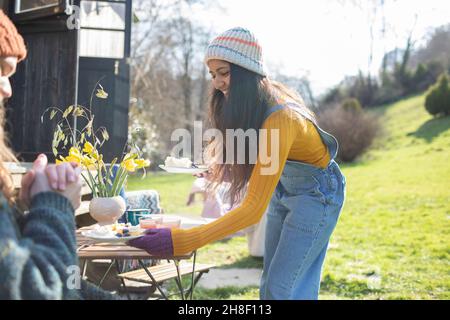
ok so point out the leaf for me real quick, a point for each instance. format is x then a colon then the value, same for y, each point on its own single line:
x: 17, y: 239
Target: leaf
x: 55, y: 151
x: 78, y: 112
x: 88, y: 127
x: 101, y: 94
x: 105, y: 134
x: 55, y: 139
x: 113, y: 162
x: 67, y: 111
x: 52, y: 114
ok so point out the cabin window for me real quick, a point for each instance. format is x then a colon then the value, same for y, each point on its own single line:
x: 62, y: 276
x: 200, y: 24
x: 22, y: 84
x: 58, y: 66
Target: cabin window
x: 102, y: 32
x: 30, y: 5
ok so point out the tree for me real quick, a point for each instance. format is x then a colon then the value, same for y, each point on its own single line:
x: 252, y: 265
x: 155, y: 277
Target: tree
x: 438, y: 98
x: 168, y: 82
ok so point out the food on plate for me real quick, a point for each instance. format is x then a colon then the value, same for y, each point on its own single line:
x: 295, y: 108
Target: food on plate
x: 171, y: 222
x: 178, y: 162
x: 160, y: 221
x: 150, y: 222
x: 126, y: 230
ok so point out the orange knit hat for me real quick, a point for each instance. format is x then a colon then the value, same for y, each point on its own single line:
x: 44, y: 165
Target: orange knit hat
x: 11, y: 42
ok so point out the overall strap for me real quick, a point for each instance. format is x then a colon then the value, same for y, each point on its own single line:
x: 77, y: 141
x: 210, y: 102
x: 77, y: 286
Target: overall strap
x: 272, y: 110
x: 329, y: 140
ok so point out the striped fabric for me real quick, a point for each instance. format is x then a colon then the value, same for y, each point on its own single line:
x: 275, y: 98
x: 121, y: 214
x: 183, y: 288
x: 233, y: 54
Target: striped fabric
x: 238, y: 46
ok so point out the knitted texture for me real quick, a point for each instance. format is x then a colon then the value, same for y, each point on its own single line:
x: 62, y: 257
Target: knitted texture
x: 37, y: 256
x: 157, y: 242
x: 238, y: 46
x: 11, y: 42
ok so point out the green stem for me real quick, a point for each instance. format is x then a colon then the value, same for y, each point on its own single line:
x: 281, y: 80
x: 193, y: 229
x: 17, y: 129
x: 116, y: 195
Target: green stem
x: 121, y: 182
x: 94, y: 189
x: 118, y: 181
x: 100, y: 179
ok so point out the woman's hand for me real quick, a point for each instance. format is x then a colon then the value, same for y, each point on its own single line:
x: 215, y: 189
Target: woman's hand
x: 59, y: 176
x: 157, y: 242
x: 35, y: 181
x: 73, y: 190
x: 42, y: 177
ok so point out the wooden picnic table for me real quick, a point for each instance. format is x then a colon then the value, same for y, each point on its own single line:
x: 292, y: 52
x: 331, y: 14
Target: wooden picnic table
x: 89, y: 250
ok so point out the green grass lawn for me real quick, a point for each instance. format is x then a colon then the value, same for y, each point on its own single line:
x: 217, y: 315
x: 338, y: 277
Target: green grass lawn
x: 392, y: 239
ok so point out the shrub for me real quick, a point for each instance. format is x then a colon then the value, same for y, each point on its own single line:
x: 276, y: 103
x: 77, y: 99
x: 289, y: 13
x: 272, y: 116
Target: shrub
x: 354, y: 131
x: 437, y: 100
x: 352, y: 105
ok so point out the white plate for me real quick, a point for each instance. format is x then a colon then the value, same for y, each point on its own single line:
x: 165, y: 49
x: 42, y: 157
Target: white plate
x: 91, y: 235
x: 183, y: 170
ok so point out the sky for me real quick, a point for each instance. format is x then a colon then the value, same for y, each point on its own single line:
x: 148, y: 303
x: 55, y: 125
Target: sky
x: 325, y: 39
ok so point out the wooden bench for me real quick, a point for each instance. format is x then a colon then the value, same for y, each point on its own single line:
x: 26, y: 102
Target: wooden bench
x: 167, y: 271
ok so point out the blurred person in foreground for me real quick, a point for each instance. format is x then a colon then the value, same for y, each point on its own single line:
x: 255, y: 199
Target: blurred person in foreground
x: 38, y: 258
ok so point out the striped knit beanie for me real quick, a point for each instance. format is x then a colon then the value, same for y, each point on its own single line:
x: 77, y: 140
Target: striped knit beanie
x: 238, y: 46
x: 11, y: 42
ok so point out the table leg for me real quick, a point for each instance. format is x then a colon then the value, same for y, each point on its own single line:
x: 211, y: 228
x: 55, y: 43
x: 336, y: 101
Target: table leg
x: 178, y: 279
x: 193, y: 274
x: 84, y: 269
x: 153, y: 279
x: 106, y: 273
x: 197, y: 278
x: 122, y: 280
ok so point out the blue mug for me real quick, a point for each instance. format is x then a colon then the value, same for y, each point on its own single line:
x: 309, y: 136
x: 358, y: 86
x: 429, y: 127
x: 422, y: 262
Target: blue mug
x: 134, y: 215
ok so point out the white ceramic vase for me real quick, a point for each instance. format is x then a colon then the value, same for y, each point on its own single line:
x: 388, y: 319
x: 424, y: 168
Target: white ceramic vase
x: 107, y: 210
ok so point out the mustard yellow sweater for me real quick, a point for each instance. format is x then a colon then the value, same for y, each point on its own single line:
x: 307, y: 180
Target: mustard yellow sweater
x: 299, y: 140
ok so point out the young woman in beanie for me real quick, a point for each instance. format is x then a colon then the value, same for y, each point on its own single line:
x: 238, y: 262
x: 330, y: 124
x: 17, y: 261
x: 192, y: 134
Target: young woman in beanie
x: 304, y: 194
x: 38, y: 258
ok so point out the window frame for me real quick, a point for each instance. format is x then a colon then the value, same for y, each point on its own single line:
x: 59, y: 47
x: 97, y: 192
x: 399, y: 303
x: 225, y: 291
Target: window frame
x: 42, y: 12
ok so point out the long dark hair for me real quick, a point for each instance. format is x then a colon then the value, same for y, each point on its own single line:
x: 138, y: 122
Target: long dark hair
x: 249, y: 97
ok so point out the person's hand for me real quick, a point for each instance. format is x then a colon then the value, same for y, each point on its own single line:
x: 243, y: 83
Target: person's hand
x: 65, y: 179
x: 72, y: 191
x: 157, y: 242
x: 40, y: 182
x: 59, y: 176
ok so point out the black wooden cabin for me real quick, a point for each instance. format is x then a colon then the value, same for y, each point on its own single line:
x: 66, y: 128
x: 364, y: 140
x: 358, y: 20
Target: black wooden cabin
x: 63, y: 65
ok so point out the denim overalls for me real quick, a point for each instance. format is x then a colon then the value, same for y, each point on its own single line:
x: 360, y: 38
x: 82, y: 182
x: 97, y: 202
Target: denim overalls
x: 301, y: 217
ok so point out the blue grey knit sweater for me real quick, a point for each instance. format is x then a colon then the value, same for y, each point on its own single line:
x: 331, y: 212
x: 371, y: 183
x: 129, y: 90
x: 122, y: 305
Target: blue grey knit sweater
x: 37, y: 249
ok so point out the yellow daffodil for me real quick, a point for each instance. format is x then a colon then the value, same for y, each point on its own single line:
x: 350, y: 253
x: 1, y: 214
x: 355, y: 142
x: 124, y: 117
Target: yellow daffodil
x: 88, y: 162
x: 74, y: 156
x: 142, y: 163
x: 129, y: 165
x: 74, y: 152
x: 128, y: 156
x: 60, y: 160
x: 96, y: 156
x: 88, y: 147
